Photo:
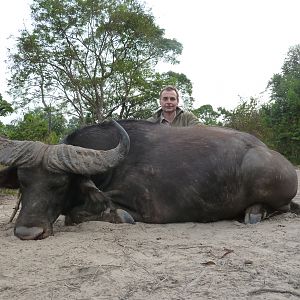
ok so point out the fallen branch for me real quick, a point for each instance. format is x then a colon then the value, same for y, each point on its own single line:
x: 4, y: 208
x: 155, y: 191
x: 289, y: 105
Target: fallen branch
x: 16, y: 208
x: 261, y: 291
x: 228, y: 251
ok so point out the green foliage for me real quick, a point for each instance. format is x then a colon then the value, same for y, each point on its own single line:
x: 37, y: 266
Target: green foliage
x: 8, y: 192
x: 208, y: 116
x: 91, y: 59
x: 5, y: 107
x: 277, y: 122
x: 2, y: 129
x: 282, y: 114
x: 32, y: 127
x: 35, y: 126
x: 247, y: 117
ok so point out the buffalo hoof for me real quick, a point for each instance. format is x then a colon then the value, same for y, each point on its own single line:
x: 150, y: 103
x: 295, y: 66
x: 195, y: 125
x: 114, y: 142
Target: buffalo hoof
x: 118, y: 216
x: 124, y: 216
x: 255, y: 214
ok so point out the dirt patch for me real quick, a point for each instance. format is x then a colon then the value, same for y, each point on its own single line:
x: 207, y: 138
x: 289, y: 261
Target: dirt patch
x: 97, y: 260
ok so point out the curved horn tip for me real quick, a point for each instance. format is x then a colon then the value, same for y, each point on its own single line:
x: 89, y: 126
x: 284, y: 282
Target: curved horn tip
x: 124, y: 140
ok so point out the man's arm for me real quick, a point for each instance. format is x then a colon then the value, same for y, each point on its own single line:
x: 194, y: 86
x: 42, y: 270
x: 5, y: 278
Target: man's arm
x: 192, y: 120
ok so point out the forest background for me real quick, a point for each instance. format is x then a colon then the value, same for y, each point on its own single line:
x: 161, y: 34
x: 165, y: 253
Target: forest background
x: 85, y: 61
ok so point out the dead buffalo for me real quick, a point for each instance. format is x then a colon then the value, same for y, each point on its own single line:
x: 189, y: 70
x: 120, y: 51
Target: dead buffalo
x: 189, y: 174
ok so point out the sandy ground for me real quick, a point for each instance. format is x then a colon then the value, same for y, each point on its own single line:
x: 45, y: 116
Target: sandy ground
x: 97, y: 260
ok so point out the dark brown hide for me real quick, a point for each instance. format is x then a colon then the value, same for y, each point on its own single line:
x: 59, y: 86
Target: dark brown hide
x: 189, y: 174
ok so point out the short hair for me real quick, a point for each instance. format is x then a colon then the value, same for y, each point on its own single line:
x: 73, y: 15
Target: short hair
x: 170, y: 88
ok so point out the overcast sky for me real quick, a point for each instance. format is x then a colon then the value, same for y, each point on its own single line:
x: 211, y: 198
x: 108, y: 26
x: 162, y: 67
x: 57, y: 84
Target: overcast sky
x: 230, y: 48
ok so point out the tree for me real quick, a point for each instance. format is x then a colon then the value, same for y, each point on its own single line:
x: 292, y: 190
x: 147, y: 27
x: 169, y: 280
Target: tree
x: 247, y: 117
x: 282, y: 113
x: 5, y: 107
x: 207, y: 115
x: 34, y: 126
x: 89, y: 57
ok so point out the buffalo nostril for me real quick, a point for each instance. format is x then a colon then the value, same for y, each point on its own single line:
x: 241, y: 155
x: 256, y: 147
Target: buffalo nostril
x: 28, y: 233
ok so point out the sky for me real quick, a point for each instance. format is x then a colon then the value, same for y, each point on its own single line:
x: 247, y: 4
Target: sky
x: 231, y: 48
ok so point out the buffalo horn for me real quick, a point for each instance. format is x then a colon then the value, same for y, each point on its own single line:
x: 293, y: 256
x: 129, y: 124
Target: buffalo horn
x: 62, y: 157
x: 21, y: 153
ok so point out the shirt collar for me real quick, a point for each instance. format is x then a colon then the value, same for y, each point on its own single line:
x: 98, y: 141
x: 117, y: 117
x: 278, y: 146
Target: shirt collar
x: 165, y: 121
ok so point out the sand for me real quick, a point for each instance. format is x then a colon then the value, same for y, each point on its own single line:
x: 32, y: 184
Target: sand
x: 98, y: 260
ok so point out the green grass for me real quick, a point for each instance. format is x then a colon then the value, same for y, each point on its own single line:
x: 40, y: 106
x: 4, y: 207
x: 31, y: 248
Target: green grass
x: 8, y: 192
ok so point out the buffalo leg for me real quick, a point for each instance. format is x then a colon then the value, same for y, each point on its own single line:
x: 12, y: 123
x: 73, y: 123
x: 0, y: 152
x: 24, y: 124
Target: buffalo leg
x: 80, y: 214
x: 257, y: 212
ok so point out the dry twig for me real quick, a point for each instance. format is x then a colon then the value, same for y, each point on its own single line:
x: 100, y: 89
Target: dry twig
x: 16, y: 208
x: 265, y: 290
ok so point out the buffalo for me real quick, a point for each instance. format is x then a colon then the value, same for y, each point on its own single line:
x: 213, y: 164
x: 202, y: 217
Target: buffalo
x: 132, y: 170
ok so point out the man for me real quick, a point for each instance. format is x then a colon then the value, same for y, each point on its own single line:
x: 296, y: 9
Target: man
x: 169, y: 113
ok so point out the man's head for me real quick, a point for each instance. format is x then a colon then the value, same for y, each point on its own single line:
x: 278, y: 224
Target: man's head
x: 169, y: 99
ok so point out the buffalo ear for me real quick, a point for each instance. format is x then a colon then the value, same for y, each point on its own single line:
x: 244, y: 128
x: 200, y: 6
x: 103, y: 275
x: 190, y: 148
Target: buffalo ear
x: 95, y: 199
x: 9, y: 178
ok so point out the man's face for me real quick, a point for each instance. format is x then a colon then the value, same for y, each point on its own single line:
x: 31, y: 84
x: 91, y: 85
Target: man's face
x: 168, y: 101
